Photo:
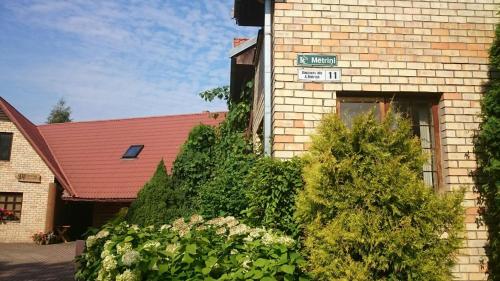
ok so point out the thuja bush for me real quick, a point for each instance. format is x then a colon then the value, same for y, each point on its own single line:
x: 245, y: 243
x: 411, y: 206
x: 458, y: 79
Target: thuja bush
x: 272, y: 186
x: 218, y: 249
x: 366, y: 211
x: 487, y: 150
x: 158, y: 201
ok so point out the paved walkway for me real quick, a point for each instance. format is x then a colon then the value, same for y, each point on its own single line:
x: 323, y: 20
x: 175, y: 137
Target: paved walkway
x: 26, y: 262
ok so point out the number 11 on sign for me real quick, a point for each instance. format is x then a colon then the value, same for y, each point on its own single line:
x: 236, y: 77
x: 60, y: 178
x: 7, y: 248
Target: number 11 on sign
x: 332, y: 75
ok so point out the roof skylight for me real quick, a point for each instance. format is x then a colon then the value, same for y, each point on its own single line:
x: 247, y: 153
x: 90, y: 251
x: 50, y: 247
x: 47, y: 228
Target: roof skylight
x: 133, y: 151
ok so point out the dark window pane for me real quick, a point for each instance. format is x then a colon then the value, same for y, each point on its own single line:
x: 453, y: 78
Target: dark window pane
x: 5, y: 146
x: 350, y: 110
x: 420, y: 115
x: 11, y: 201
x: 133, y: 151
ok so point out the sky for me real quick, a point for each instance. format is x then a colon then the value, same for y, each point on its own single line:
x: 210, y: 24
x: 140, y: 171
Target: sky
x: 115, y: 59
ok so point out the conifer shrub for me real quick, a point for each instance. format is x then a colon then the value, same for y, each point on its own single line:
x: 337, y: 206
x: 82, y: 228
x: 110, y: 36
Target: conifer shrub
x: 272, y: 186
x: 158, y: 202
x: 487, y: 150
x: 366, y: 211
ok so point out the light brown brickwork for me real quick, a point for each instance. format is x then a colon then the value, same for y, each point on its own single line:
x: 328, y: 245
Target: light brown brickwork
x: 390, y: 46
x: 35, y: 215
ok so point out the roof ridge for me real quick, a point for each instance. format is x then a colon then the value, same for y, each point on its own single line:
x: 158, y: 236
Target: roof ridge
x: 130, y: 118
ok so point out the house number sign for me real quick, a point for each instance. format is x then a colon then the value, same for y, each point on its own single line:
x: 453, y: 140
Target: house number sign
x: 319, y: 74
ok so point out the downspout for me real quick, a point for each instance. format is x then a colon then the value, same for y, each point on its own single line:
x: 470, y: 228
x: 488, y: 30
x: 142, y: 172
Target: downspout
x: 267, y: 78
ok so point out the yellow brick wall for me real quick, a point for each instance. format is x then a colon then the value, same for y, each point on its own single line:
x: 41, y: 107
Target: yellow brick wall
x: 24, y: 159
x: 390, y: 46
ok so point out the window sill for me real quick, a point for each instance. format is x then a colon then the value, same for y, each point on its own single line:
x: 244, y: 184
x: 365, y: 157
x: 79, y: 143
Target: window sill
x: 10, y: 222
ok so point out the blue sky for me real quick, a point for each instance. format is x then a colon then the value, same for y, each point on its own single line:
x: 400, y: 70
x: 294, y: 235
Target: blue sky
x: 115, y: 59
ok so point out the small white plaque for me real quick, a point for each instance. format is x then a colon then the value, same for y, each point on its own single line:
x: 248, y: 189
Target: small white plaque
x: 319, y: 75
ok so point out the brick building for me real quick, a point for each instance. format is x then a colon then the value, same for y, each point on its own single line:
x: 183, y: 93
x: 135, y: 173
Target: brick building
x: 79, y: 174
x: 429, y: 56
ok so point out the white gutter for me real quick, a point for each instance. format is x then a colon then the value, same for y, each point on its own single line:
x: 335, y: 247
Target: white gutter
x: 267, y: 78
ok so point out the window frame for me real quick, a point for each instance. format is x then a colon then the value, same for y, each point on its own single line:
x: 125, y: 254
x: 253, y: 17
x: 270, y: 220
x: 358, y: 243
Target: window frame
x: 136, y: 155
x: 3, y: 204
x: 10, y: 145
x: 384, y: 100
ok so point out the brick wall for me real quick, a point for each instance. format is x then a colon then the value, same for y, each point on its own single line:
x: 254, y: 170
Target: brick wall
x: 390, y: 46
x: 24, y: 159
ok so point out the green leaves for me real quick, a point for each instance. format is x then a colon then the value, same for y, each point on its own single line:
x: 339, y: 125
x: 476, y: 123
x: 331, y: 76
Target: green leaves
x: 214, y: 161
x: 159, y: 201
x: 272, y: 187
x: 367, y: 213
x: 200, y: 254
x: 191, y: 249
x: 487, y: 151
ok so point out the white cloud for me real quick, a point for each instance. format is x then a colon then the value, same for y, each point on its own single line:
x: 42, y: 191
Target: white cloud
x: 130, y: 58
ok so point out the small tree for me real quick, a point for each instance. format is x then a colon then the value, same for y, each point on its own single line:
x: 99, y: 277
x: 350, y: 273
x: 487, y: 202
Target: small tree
x: 158, y: 202
x: 366, y: 211
x: 487, y: 150
x: 60, y: 113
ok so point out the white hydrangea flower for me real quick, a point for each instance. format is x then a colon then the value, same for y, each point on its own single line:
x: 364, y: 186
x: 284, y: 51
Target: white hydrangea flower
x: 217, y: 221
x: 91, y: 240
x: 130, y: 257
x: 254, y: 233
x: 102, y: 275
x: 231, y: 221
x: 172, y: 248
x: 105, y: 253
x: 165, y: 227
x: 109, y: 263
x: 246, y: 263
x: 270, y: 238
x: 102, y: 234
x: 221, y: 231
x: 239, y: 229
x: 107, y: 245
x: 195, y: 219
x: 181, y: 227
x: 128, y: 275
x: 122, y: 248
x: 151, y: 245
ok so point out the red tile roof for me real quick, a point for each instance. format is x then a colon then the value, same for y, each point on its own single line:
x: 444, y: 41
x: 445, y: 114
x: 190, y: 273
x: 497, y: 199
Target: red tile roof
x: 86, y: 157
x: 32, y: 134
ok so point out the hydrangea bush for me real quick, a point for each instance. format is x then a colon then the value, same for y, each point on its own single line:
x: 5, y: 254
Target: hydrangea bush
x: 218, y: 249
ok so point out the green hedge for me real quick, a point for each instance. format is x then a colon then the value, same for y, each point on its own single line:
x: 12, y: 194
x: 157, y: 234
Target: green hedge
x: 219, y: 249
x: 272, y: 186
x: 487, y: 150
x: 214, y: 161
x: 366, y: 211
